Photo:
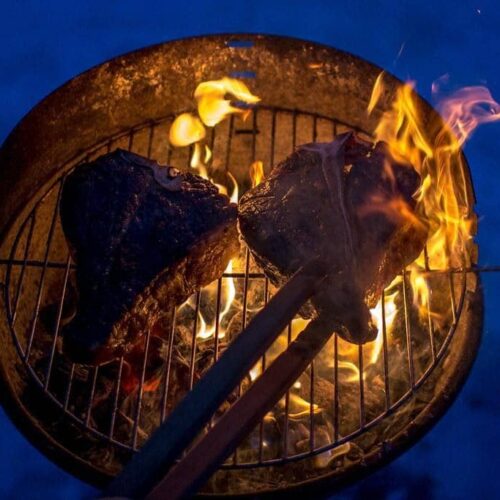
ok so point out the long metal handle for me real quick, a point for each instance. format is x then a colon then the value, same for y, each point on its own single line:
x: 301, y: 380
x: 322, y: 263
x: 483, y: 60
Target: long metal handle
x: 203, y: 459
x: 188, y: 419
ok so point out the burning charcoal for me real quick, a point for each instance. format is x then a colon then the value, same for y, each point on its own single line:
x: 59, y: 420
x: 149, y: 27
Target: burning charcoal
x: 348, y: 202
x: 144, y: 237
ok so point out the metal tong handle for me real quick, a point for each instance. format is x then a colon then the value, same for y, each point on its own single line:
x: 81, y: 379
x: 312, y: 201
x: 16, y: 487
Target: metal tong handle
x: 188, y: 419
x: 188, y: 475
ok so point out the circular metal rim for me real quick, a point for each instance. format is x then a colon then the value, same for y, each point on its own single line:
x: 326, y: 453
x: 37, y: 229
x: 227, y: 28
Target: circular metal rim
x: 45, y: 443
x: 14, y: 138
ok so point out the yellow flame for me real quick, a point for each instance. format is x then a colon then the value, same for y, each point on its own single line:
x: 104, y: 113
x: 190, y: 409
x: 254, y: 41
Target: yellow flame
x: 213, y: 107
x: 349, y: 366
x: 185, y: 130
x: 235, y: 195
x: 255, y: 371
x: 228, y: 293
x: 377, y: 90
x: 390, y: 310
x: 188, y: 129
x: 208, y: 155
x: 299, y: 407
x: 256, y: 173
x: 434, y: 150
x: 348, y: 353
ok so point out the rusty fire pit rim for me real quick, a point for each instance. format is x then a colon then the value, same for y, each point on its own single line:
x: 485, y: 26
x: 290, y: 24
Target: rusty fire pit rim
x: 11, y: 140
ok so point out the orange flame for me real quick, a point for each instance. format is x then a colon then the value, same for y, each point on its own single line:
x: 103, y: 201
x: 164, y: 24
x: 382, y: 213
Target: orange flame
x: 377, y: 90
x: 188, y: 129
x: 435, y: 152
x: 256, y: 173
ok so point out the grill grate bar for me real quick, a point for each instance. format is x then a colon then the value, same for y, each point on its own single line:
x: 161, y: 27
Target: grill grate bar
x: 141, y: 390
x: 362, y: 416
x: 430, y: 326
x: 218, y: 306
x: 69, y: 387
x: 168, y: 365
x: 311, y: 407
x: 192, y: 359
x: 151, y: 137
x: 287, y: 403
x: 88, y: 414
x: 58, y: 323
x: 385, y: 354
x: 243, y: 326
x: 116, y: 398
x: 36, y: 312
x: 429, y: 272
x: 452, y: 297
x: 24, y: 264
x: 336, y: 399
x: 261, y: 425
x: 409, y: 347
x: 263, y: 364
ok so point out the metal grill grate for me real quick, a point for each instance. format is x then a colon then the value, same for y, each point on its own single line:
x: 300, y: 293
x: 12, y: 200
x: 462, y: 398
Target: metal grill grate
x: 38, y: 283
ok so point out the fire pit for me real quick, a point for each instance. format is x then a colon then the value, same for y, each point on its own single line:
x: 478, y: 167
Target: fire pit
x: 355, y: 408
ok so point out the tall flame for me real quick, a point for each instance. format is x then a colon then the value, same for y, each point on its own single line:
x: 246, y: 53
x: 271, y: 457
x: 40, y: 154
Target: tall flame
x: 188, y: 129
x: 434, y: 150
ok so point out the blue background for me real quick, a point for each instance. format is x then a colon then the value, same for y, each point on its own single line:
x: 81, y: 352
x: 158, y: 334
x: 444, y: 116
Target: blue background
x: 45, y: 43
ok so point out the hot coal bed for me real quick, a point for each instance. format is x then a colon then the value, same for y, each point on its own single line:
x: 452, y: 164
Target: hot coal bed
x: 353, y: 409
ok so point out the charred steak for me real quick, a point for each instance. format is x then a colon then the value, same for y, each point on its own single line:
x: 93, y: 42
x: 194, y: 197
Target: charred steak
x: 144, y: 237
x: 348, y: 202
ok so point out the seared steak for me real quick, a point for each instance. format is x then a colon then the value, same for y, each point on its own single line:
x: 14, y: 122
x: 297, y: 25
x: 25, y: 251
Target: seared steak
x: 144, y: 237
x: 348, y: 202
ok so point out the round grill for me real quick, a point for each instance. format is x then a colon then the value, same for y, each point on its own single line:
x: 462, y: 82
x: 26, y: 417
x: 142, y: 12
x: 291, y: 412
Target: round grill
x: 350, y: 410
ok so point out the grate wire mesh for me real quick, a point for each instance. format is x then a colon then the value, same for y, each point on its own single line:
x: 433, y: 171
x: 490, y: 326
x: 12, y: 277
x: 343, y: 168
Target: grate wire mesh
x: 39, y: 260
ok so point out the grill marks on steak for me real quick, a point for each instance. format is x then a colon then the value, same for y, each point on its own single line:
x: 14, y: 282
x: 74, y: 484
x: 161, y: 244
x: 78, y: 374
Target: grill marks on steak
x: 144, y: 237
x: 342, y: 200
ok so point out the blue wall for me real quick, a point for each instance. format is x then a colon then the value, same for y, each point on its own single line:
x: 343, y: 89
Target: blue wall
x: 46, y: 43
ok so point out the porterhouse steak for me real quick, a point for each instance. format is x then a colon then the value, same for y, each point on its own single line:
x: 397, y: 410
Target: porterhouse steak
x: 144, y: 237
x: 348, y: 202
